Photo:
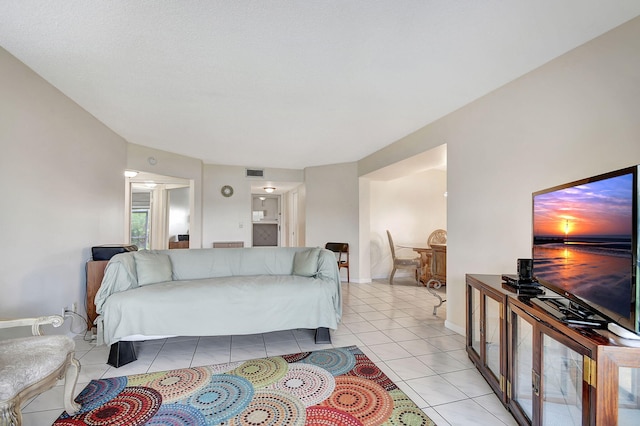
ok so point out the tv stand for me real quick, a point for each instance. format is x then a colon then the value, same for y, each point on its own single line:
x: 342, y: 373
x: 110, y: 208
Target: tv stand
x: 538, y: 365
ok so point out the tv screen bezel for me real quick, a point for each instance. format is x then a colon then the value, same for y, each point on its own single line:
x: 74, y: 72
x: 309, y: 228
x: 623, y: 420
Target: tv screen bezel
x: 632, y: 322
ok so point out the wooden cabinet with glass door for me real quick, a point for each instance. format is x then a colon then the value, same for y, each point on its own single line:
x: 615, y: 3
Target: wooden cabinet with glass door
x: 553, y: 373
x: 550, y: 380
x: 486, y: 333
x: 619, y: 373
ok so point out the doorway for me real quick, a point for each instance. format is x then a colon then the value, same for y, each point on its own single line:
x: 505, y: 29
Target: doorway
x: 266, y: 220
x: 408, y: 198
x: 158, y: 210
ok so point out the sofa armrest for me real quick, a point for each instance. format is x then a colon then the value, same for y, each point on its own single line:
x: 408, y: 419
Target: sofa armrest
x: 119, y: 275
x: 328, y: 271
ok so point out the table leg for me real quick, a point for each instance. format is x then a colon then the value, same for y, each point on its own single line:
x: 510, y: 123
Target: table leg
x: 432, y: 285
x: 425, y: 265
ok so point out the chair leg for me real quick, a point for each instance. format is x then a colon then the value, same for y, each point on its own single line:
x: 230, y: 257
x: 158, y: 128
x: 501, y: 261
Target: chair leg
x: 348, y: 278
x: 70, y: 380
x: 10, y: 413
x: 393, y: 272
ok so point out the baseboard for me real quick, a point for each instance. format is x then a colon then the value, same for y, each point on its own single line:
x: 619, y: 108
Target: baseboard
x: 453, y: 327
x: 359, y: 281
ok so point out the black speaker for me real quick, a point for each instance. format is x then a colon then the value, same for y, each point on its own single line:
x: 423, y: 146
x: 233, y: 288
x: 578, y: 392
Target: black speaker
x: 107, y: 251
x: 525, y: 270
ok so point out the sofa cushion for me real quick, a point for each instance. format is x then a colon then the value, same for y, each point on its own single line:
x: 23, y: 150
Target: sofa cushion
x: 305, y: 263
x: 152, y: 267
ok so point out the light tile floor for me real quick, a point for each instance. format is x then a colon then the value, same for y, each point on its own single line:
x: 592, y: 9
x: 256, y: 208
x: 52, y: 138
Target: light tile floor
x: 392, y: 325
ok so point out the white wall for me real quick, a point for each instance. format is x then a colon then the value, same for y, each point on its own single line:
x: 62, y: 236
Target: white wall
x: 411, y: 208
x: 574, y: 117
x: 226, y: 218
x: 332, y: 209
x: 229, y: 218
x: 299, y: 194
x: 61, y: 183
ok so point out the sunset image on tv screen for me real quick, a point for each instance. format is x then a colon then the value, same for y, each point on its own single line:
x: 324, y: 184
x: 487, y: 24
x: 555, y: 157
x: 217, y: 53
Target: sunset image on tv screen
x: 582, y: 240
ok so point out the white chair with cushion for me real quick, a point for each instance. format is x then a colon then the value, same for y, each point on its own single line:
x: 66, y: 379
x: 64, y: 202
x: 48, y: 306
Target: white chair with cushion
x: 34, y: 364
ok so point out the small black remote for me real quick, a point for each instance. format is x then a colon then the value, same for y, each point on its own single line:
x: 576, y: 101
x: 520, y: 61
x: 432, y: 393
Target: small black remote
x: 584, y: 322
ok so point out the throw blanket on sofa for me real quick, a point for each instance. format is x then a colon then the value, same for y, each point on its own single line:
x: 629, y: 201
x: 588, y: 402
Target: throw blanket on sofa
x: 208, y: 292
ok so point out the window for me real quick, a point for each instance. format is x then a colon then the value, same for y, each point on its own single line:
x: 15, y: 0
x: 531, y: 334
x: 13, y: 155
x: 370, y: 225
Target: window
x: 140, y: 228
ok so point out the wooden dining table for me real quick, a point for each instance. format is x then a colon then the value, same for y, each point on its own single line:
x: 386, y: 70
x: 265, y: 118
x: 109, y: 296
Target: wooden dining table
x: 425, y: 253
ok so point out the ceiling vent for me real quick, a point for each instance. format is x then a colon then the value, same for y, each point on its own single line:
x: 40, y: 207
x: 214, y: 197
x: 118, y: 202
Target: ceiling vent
x: 255, y: 173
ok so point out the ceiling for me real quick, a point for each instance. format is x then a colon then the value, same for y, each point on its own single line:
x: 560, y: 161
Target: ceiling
x: 289, y: 84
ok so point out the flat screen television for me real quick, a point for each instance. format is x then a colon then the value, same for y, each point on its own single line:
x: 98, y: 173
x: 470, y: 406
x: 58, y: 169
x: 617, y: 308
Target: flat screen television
x: 585, y: 244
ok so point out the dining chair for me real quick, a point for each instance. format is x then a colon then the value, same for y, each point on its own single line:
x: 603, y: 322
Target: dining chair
x: 402, y: 262
x: 340, y: 249
x: 439, y: 236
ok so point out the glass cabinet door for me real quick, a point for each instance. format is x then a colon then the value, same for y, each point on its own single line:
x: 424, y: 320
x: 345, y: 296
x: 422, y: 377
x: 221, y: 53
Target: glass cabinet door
x: 628, y: 396
x: 486, y: 335
x: 475, y: 319
x: 562, y: 385
x: 492, y: 335
x: 522, y: 364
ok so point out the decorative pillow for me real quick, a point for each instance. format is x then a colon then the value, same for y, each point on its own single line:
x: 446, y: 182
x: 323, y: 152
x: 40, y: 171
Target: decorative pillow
x: 305, y: 263
x: 152, y: 267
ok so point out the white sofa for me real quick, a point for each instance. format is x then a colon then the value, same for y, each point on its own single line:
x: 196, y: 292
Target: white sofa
x: 211, y: 292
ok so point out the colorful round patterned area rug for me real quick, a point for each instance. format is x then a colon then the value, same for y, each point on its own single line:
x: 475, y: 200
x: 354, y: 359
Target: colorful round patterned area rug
x: 328, y: 416
x: 175, y: 384
x: 271, y: 407
x: 310, y: 383
x: 328, y: 387
x: 224, y: 397
x: 335, y: 361
x: 262, y: 372
x: 366, y: 369
x: 406, y: 412
x: 132, y: 407
x: 364, y: 399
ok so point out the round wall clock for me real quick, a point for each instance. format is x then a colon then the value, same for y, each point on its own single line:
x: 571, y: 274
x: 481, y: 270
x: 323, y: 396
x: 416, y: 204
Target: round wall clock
x: 226, y: 191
